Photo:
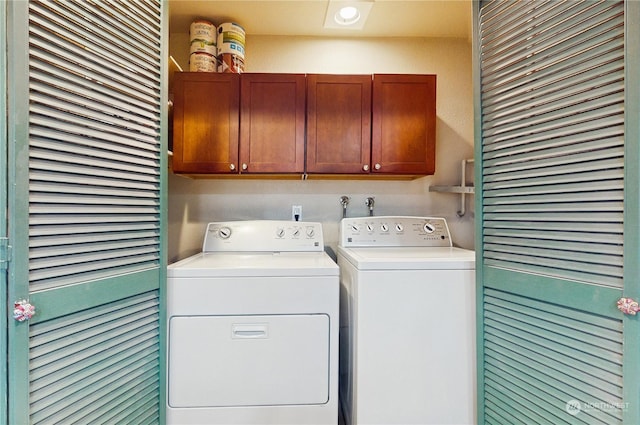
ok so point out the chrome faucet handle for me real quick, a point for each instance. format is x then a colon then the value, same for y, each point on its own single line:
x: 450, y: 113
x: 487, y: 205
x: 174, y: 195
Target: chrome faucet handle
x: 344, y: 201
x: 370, y: 202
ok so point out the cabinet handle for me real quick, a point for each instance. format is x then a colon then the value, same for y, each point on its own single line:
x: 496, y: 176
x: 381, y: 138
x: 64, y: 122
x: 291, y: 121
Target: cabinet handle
x: 244, y: 166
x: 628, y: 306
x: 22, y: 310
x: 365, y: 167
x: 377, y: 166
x: 232, y: 167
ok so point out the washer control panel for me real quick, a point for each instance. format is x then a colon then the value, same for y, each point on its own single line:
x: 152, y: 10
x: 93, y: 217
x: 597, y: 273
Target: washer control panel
x: 263, y: 236
x: 394, y: 231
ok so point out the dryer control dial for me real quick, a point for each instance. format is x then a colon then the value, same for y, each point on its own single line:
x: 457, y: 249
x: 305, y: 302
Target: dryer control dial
x: 224, y: 232
x: 429, y: 228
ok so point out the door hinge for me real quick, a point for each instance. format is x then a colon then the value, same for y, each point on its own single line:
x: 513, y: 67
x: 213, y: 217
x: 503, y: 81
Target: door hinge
x: 5, y: 253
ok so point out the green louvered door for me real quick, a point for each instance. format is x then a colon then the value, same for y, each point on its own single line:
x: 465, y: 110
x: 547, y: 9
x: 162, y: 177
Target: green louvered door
x: 84, y: 103
x: 4, y: 254
x: 557, y: 89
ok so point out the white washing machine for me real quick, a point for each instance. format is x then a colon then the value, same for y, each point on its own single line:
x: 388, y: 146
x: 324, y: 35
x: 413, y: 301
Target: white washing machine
x: 407, y: 333
x: 253, y: 327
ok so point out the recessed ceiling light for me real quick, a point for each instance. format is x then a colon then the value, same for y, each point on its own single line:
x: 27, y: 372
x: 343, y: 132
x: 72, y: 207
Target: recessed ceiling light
x: 347, y: 14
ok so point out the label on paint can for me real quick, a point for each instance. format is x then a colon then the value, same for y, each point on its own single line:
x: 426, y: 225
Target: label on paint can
x: 231, y: 39
x: 230, y: 63
x: 202, y: 62
x: 202, y: 30
x: 232, y: 48
x: 201, y: 46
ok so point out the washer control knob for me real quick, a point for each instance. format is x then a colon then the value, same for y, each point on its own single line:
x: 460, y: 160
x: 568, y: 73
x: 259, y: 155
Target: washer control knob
x: 355, y: 228
x: 384, y: 227
x: 429, y: 228
x: 369, y: 228
x: 399, y: 227
x: 224, y: 232
x: 280, y: 232
x: 296, y: 232
x: 311, y: 232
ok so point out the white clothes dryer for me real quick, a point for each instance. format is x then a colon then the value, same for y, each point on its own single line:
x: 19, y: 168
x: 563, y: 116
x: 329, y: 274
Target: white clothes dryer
x: 253, y: 327
x: 407, y: 337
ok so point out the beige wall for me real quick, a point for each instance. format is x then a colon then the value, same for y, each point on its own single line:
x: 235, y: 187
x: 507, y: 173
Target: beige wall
x: 193, y: 203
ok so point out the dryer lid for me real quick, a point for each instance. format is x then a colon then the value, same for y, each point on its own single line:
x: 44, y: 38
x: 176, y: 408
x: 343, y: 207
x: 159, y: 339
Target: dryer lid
x: 234, y: 264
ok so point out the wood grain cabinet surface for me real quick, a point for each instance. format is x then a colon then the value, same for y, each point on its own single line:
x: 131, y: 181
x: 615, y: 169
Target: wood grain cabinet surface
x: 321, y: 124
x: 338, y: 123
x: 205, y: 122
x: 403, y: 138
x: 272, y: 123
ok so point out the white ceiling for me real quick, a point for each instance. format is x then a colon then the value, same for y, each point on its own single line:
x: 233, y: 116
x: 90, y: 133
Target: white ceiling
x: 388, y: 18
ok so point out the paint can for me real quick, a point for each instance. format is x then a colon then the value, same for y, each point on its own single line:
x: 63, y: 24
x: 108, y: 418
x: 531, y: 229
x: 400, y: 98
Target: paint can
x: 230, y: 63
x: 203, y: 30
x: 202, y: 62
x: 231, y: 39
x: 201, y: 46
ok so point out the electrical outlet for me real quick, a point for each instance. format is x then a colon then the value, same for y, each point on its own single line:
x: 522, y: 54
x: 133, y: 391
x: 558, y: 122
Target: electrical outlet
x: 296, y: 212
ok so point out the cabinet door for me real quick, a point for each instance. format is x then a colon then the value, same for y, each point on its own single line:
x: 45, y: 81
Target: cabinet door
x: 272, y: 123
x: 338, y: 123
x: 404, y: 124
x: 205, y: 122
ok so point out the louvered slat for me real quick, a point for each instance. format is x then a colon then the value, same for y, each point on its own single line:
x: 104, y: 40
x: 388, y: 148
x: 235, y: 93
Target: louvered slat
x: 553, y: 145
x: 66, y: 371
x: 553, y: 136
x: 553, y: 355
x: 96, y: 146
x: 94, y: 208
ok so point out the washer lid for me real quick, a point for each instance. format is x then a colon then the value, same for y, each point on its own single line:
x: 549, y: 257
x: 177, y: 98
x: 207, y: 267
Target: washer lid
x: 409, y: 258
x: 221, y: 264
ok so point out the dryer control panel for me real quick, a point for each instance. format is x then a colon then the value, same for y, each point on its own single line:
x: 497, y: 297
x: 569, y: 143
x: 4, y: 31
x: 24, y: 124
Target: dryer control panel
x: 390, y: 231
x: 263, y: 236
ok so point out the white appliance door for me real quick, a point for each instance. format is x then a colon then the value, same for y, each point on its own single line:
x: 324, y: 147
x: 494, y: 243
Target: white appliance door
x: 245, y: 360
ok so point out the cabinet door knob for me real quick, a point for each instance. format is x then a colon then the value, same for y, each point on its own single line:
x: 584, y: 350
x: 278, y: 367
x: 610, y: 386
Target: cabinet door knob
x: 232, y: 167
x: 365, y: 167
x: 628, y: 306
x: 377, y: 166
x: 22, y: 310
x: 244, y: 166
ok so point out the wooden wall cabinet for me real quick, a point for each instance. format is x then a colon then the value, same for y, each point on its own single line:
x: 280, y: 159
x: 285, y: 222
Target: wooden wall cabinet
x: 360, y: 125
x: 272, y: 123
x: 205, y: 122
x: 232, y: 123
x: 338, y: 124
x: 255, y: 124
x: 403, y: 138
